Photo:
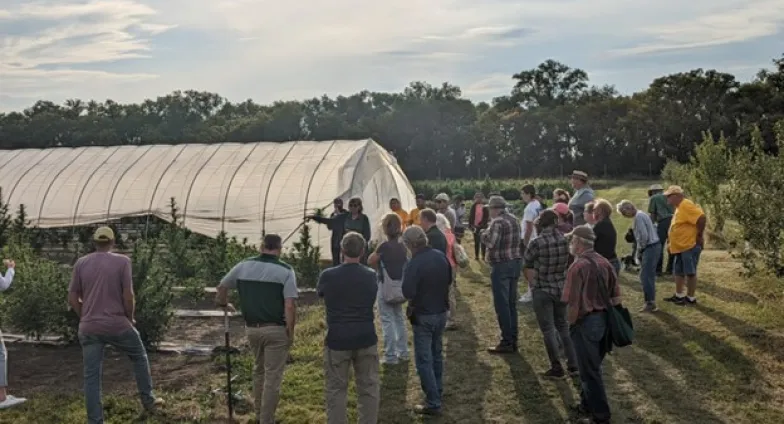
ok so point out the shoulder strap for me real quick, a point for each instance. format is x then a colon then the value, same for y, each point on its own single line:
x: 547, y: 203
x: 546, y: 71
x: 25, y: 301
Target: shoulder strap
x: 602, y: 281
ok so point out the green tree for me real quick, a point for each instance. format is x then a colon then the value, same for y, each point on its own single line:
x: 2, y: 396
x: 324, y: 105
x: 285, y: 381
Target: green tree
x: 710, y: 172
x: 755, y: 197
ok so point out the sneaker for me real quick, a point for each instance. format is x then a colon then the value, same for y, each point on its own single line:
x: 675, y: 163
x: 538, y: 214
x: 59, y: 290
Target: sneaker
x: 404, y: 358
x: 153, y: 407
x: 555, y: 373
x: 389, y: 361
x: 676, y: 300
x: 649, y: 307
x: 690, y: 302
x: 450, y: 326
x: 11, y: 401
x: 527, y: 297
x: 426, y: 410
x: 502, y: 349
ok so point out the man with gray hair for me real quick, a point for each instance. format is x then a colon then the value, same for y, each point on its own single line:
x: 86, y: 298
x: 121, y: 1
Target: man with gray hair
x: 426, y: 282
x: 649, y: 245
x: 349, y: 291
x: 502, y: 239
x: 591, y: 288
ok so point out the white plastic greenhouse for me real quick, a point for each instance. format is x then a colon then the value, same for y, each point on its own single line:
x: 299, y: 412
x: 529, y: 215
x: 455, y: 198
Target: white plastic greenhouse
x: 242, y: 189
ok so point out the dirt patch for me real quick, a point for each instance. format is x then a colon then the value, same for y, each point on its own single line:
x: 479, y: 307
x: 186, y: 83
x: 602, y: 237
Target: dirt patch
x: 59, y: 369
x: 205, y: 331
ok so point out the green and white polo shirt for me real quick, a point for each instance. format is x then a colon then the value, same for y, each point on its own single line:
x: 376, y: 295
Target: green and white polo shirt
x: 263, y: 282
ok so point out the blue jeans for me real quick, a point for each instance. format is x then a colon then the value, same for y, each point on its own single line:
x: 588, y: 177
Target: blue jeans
x: 393, y: 326
x: 616, y: 264
x: 428, y: 353
x: 650, y: 258
x: 503, y: 278
x: 128, y: 343
x: 587, y: 335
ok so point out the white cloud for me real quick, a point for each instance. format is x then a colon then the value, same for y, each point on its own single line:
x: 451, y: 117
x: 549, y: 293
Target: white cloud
x: 737, y: 21
x: 271, y: 49
x: 72, y: 34
x: 489, y: 86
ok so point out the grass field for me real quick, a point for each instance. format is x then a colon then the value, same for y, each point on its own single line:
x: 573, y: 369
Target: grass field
x: 719, y: 362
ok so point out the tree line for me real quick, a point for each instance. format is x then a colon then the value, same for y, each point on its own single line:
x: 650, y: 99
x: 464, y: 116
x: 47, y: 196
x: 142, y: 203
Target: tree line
x: 553, y: 120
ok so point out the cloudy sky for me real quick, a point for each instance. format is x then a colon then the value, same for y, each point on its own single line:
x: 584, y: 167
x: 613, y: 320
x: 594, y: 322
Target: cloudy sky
x: 267, y: 50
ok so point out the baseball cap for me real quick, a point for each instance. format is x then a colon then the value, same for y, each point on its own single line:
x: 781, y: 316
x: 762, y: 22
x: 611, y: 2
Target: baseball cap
x: 561, y: 208
x: 582, y: 231
x: 103, y: 234
x: 443, y: 197
x: 673, y: 189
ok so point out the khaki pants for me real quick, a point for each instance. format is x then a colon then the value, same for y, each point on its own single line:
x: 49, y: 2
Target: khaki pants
x: 270, y: 345
x: 452, y: 298
x: 337, y: 364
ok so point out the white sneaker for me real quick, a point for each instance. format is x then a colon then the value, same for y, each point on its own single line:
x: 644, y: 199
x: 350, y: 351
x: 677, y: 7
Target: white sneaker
x: 11, y: 401
x: 527, y: 297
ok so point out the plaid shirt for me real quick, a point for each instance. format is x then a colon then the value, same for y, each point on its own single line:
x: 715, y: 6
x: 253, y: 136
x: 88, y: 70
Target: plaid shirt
x: 548, y: 255
x: 582, y: 291
x: 502, y: 239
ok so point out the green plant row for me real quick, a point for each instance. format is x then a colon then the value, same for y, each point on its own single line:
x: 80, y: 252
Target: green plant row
x: 510, y: 189
x: 36, y: 304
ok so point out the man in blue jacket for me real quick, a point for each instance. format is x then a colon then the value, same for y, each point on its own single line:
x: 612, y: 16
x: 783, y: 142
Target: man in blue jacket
x: 426, y: 281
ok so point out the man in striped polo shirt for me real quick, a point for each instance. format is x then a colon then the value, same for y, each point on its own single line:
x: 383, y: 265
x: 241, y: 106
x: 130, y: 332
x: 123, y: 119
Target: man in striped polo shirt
x: 268, y: 290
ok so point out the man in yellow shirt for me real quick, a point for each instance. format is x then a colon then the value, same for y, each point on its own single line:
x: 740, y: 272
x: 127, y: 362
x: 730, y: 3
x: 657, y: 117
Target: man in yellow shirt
x: 686, y: 238
x: 394, y: 204
x: 413, y: 217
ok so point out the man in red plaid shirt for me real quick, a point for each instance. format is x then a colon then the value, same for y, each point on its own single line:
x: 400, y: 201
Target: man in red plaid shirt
x: 502, y: 239
x: 588, y: 319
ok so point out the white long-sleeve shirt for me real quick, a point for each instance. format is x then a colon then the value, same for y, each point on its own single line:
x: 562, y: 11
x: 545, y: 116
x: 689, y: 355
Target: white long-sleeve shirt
x: 5, y: 281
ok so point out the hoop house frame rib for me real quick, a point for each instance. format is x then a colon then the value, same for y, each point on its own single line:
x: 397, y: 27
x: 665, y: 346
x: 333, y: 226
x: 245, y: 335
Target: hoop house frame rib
x: 56, y: 176
x: 231, y: 181
x: 119, y: 180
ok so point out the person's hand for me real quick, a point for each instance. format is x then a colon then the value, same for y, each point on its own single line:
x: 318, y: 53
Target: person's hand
x: 9, y: 263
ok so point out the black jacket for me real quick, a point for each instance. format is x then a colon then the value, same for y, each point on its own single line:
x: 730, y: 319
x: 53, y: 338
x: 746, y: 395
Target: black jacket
x: 472, y: 215
x: 337, y: 224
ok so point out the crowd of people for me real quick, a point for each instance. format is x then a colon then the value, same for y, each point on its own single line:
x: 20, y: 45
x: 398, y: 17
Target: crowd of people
x: 566, y: 254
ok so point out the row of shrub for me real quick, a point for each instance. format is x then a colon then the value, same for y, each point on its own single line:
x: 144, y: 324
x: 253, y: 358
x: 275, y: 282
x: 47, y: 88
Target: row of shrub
x: 510, y: 189
x: 36, y: 304
x: 744, y: 187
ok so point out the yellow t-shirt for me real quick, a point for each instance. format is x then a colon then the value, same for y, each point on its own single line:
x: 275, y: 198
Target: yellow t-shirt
x: 683, y: 230
x: 403, y: 217
x: 413, y: 217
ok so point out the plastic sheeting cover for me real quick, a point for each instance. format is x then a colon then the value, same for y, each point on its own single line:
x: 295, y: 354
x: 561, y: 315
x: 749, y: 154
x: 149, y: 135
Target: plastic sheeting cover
x: 243, y: 189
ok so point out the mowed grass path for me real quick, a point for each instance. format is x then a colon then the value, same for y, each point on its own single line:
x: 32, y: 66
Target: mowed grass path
x: 719, y: 362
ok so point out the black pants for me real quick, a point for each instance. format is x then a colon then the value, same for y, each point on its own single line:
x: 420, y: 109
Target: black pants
x: 478, y: 245
x: 335, y: 255
x: 663, y: 229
